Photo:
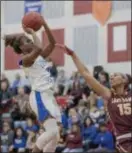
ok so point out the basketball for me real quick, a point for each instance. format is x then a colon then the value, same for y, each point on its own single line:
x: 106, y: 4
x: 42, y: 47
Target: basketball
x: 32, y: 20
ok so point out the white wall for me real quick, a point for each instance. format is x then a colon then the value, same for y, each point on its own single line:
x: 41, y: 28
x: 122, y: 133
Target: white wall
x: 69, y: 22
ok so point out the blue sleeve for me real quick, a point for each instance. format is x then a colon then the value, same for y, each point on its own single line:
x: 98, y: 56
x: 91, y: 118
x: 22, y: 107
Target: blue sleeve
x: 87, y: 131
x: 109, y: 140
x: 97, y: 140
x: 64, y: 121
x: 15, y: 145
x: 100, y: 103
x: 69, y: 123
x: 20, y: 145
x: 93, y: 133
x: 35, y: 128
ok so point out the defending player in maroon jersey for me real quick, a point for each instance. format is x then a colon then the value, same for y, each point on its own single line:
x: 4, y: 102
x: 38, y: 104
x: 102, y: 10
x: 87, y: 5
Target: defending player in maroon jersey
x: 120, y: 113
x: 118, y: 101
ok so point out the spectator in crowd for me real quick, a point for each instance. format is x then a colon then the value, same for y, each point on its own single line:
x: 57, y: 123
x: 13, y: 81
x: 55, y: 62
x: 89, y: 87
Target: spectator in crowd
x: 61, y: 141
x: 31, y: 126
x: 19, y: 82
x: 16, y: 82
x: 5, y: 97
x: 104, y: 78
x: 92, y: 101
x: 19, y: 143
x: 74, y: 140
x: 31, y: 140
x: 64, y: 119
x: 76, y: 92
x: 6, y: 137
x: 85, y: 113
x: 4, y: 78
x: 85, y: 90
x: 69, y: 84
x: 104, y: 139
x: 99, y: 102
x: 81, y: 106
x: 61, y: 81
x: 75, y: 77
x: 52, y: 68
x: 89, y: 132
x: 15, y: 112
x: 94, y: 112
x: 82, y: 114
x: 73, y: 117
x: 22, y: 99
x: 82, y: 110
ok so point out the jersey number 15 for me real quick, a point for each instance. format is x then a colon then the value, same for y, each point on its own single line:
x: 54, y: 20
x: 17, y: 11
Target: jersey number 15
x: 125, y: 109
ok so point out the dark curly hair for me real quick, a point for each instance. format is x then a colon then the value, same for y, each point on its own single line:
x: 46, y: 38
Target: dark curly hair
x: 15, y: 41
x: 128, y: 81
x: 91, y: 121
x: 15, y: 45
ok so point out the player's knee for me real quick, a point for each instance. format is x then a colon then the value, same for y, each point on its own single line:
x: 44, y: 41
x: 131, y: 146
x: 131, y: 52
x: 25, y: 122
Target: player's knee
x: 51, y: 133
x: 51, y: 126
x: 46, y: 137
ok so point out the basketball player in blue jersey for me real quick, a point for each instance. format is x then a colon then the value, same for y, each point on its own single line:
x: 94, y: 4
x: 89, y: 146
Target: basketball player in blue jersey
x: 42, y: 100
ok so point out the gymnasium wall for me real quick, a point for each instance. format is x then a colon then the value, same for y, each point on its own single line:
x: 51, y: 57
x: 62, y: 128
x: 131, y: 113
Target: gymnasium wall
x: 72, y: 21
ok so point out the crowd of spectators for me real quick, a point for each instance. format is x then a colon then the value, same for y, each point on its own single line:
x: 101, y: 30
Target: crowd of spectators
x: 85, y: 125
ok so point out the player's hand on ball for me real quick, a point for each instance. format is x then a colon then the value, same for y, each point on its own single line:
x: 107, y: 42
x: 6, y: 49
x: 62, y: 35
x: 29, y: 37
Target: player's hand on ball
x: 43, y: 21
x: 28, y: 30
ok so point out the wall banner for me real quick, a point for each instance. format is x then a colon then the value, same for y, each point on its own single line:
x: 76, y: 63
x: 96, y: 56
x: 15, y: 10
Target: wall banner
x: 33, y: 5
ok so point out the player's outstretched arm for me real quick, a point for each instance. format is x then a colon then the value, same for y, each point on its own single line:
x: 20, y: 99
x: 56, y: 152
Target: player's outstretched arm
x: 48, y: 32
x: 92, y: 82
x: 49, y: 48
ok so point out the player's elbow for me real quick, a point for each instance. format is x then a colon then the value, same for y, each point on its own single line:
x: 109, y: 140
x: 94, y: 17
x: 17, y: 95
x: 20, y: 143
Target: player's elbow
x: 53, y: 42
x: 27, y: 64
x: 52, y: 45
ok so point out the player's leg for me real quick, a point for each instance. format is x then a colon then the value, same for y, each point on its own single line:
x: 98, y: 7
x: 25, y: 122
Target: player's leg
x: 48, y: 140
x: 43, y: 105
x: 51, y: 146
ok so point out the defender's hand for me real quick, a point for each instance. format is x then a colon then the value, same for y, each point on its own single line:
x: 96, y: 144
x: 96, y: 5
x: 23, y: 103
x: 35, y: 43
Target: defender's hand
x: 69, y: 51
x: 65, y: 49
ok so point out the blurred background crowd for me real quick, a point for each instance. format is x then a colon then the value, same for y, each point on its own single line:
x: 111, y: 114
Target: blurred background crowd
x: 85, y: 123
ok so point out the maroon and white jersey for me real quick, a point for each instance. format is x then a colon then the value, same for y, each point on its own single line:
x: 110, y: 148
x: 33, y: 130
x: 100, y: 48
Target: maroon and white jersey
x: 120, y: 113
